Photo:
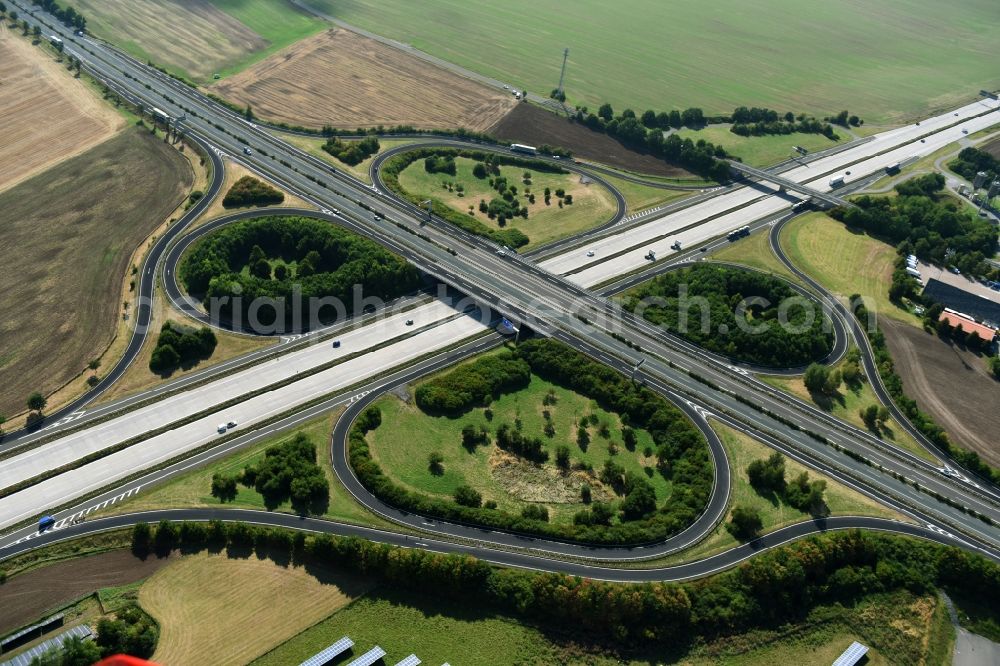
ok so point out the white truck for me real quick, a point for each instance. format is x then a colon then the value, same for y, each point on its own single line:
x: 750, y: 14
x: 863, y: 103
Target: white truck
x: 836, y: 182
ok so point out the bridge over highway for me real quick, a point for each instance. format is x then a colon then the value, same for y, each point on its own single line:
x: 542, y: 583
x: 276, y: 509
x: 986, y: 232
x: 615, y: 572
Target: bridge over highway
x: 788, y: 184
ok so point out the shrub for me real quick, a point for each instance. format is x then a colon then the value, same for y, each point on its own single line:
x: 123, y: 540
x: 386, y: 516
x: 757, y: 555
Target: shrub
x: 249, y: 191
x: 352, y: 152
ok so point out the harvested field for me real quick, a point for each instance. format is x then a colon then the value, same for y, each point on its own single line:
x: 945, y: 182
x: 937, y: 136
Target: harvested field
x: 34, y: 87
x: 237, y: 609
x: 187, y: 36
x: 534, y: 126
x: 993, y: 148
x: 343, y: 79
x: 95, y: 210
x: 28, y: 595
x: 949, y: 383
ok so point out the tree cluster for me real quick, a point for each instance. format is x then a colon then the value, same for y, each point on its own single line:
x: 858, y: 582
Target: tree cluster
x: 821, y: 379
x: 67, y: 15
x: 515, y: 441
x: 330, y: 261
x: 249, y: 191
x: 73, y: 652
x: 473, y: 384
x: 772, y: 588
x: 132, y: 632
x: 180, y: 346
x: 352, y: 152
x: 440, y: 164
x: 971, y: 161
x: 699, y: 157
x: 681, y: 451
x: 924, y: 221
x: 288, y: 472
x: 767, y: 476
x: 700, y: 304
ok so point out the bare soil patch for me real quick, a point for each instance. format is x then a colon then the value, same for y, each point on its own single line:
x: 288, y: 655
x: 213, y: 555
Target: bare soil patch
x: 27, y: 596
x: 534, y: 126
x: 343, y: 79
x: 951, y: 384
x: 68, y: 235
x: 193, y: 36
x: 543, y: 483
x: 46, y: 115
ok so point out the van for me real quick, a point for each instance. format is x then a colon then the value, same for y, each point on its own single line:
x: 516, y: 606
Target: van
x: 221, y: 428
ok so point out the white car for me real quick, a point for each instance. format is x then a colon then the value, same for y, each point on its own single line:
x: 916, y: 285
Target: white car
x: 221, y: 428
x: 590, y: 253
x: 248, y: 151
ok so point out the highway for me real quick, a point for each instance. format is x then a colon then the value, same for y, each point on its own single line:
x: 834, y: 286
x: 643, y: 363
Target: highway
x: 558, y: 307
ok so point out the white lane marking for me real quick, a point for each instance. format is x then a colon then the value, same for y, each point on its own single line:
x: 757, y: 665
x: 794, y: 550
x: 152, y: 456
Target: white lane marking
x: 77, y: 517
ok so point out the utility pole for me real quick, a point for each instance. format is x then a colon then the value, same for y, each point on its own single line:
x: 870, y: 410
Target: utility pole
x: 562, y: 74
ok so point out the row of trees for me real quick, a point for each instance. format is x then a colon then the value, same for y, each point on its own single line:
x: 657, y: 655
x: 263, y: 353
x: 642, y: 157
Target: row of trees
x: 924, y: 221
x: 772, y: 588
x: 67, y: 15
x: 702, y: 304
x: 761, y: 121
x: 249, y: 191
x: 330, y: 262
x: 680, y: 448
x: 352, y: 152
x: 699, y: 157
x: 288, y: 472
x: 178, y: 346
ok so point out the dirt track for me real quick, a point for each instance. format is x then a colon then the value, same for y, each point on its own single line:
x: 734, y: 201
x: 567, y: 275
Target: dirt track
x: 46, y: 115
x: 343, y: 79
x: 950, y: 384
x: 532, y: 125
x: 27, y: 596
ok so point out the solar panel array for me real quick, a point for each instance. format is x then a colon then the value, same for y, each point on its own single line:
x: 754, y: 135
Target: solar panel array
x: 412, y: 660
x: 852, y: 655
x: 327, y: 655
x: 25, y: 658
x: 369, y: 658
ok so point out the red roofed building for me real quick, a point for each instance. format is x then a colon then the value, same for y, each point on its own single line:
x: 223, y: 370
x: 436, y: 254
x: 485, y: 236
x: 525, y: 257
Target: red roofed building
x: 968, y: 325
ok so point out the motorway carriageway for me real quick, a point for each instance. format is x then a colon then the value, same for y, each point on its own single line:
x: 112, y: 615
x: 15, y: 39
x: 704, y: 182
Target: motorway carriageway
x: 614, y: 255
x: 370, y: 359
x: 170, y: 410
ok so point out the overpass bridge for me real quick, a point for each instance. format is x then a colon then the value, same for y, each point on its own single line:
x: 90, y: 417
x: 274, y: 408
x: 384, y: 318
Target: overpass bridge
x: 786, y: 184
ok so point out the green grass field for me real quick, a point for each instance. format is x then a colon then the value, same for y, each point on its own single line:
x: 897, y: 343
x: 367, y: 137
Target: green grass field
x: 754, y: 251
x: 762, y: 150
x: 885, y: 61
x: 407, y: 436
x: 193, y: 488
x: 592, y: 204
x: 276, y: 21
x: 845, y: 262
x: 642, y: 197
x: 741, y: 449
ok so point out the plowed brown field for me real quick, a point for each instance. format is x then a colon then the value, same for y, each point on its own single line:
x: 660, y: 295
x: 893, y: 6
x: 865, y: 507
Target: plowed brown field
x: 951, y: 384
x: 343, y: 79
x: 46, y: 115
